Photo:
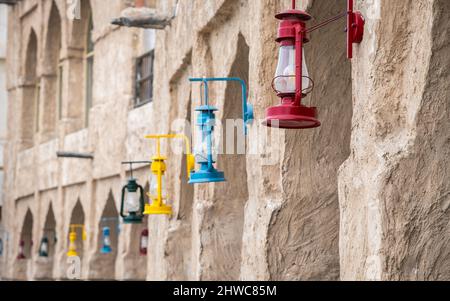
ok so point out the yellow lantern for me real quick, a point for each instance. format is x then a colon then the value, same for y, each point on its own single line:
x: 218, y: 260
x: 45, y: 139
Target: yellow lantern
x: 157, y: 193
x: 73, y: 238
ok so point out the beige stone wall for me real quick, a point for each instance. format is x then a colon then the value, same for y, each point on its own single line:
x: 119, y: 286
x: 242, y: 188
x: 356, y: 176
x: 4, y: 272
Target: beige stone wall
x: 365, y: 196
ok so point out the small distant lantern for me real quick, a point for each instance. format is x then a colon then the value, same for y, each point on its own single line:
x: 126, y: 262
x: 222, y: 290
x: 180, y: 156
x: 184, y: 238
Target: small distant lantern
x: 21, y: 254
x: 132, y: 204
x: 73, y: 238
x: 292, y: 81
x: 106, y: 248
x: 143, y: 242
x: 43, y: 248
x: 205, y: 153
x: 157, y: 193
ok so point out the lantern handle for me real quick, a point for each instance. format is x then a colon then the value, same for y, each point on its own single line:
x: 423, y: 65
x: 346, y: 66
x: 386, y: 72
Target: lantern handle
x: 190, y: 160
x: 355, y: 26
x: 247, y: 108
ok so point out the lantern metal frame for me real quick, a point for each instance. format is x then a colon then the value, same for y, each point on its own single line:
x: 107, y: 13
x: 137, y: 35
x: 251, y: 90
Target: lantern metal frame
x: 133, y: 186
x: 206, y: 122
x: 158, y: 168
x: 291, y: 113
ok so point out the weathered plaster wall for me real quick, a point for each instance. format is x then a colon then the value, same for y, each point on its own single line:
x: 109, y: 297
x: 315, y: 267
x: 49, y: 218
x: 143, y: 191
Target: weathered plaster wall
x: 394, y: 187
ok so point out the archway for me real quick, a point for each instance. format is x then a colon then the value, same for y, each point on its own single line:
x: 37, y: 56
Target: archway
x: 24, y: 248
x: 103, y: 265
x: 76, y: 66
x: 26, y: 235
x: 30, y: 97
x: 78, y: 218
x: 46, y: 248
x: 52, y: 75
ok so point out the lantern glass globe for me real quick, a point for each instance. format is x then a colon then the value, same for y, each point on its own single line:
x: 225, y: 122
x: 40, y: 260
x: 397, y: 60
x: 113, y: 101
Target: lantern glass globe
x: 154, y: 186
x: 44, y: 247
x: 106, y: 237
x: 285, y: 73
x: 144, y: 241
x: 201, y: 148
x: 132, y: 203
x: 72, y: 245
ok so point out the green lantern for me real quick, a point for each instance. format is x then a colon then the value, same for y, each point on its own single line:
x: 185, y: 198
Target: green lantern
x: 133, y: 203
x: 43, y: 248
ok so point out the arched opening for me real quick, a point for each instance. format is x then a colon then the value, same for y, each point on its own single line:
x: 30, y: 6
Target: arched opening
x: 303, y: 239
x: 79, y: 69
x: 78, y: 218
x: 225, y: 219
x: 26, y: 236
x: 24, y: 249
x: 31, y: 91
x: 89, y: 69
x: 52, y: 76
x: 49, y: 232
x: 104, y: 262
x: 46, y: 247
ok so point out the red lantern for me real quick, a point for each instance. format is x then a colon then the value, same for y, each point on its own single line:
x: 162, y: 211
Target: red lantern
x: 292, y: 81
x: 143, y: 242
x: 21, y: 254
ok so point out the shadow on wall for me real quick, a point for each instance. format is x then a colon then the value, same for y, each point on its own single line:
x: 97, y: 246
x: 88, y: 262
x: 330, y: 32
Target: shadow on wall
x: 303, y: 235
x: 224, y: 220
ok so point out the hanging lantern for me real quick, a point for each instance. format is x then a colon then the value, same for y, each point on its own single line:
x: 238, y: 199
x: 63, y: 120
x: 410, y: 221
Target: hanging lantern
x: 72, y: 244
x: 132, y: 204
x: 43, y: 248
x: 143, y: 242
x: 157, y: 194
x: 292, y: 81
x: 106, y: 248
x: 21, y: 254
x: 205, y: 153
x: 73, y: 238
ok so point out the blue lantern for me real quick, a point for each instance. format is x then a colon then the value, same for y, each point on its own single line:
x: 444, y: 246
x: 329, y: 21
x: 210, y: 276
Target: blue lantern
x: 205, y: 156
x: 106, y: 248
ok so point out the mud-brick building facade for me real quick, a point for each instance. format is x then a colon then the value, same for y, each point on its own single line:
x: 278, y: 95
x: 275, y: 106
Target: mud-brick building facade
x: 364, y: 197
